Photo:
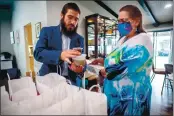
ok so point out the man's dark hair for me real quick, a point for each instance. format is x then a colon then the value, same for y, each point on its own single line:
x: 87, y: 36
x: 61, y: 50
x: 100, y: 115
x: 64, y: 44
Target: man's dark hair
x: 72, y: 6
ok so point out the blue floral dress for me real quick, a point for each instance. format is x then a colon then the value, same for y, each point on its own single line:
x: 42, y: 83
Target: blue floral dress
x: 127, y: 86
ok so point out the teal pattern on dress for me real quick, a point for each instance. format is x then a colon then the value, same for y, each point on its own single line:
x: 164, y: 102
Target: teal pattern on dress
x: 129, y: 90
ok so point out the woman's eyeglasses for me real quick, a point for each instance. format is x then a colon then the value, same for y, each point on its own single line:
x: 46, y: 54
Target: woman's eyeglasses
x: 123, y: 20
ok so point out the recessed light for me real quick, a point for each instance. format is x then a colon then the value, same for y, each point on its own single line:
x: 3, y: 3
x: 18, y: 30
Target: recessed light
x: 167, y: 6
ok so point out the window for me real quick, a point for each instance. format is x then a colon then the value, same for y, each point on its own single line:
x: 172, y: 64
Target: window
x: 162, y: 47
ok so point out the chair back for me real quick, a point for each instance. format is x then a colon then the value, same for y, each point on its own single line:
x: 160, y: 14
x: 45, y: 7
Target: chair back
x: 168, y: 68
x: 153, y: 67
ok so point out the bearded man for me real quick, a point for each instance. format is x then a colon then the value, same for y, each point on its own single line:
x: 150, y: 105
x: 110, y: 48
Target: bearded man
x: 55, y: 45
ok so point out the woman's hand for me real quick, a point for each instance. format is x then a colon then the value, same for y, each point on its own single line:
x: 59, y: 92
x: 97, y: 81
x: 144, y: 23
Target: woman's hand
x: 95, y: 62
x: 103, y: 72
x: 98, y: 61
x: 102, y: 76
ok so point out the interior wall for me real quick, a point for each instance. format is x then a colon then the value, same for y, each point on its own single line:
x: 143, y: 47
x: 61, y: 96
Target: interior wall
x: 26, y: 12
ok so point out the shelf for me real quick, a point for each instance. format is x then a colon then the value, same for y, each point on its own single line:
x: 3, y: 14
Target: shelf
x: 105, y: 28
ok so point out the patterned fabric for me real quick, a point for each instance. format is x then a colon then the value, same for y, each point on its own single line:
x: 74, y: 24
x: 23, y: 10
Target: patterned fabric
x: 127, y: 86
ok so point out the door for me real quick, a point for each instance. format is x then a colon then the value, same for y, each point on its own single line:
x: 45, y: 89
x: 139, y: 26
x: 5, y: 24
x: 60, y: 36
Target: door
x: 163, y: 48
x: 29, y: 50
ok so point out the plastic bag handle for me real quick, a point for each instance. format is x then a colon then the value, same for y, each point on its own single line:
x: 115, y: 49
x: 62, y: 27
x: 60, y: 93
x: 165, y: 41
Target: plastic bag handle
x: 95, y: 86
x: 10, y: 88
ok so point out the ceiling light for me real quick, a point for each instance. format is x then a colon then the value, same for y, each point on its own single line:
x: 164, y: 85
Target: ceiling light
x: 167, y: 6
x: 90, y: 21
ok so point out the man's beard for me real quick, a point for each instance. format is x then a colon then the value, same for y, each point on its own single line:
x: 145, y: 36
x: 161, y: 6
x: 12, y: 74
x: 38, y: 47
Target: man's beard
x: 64, y: 29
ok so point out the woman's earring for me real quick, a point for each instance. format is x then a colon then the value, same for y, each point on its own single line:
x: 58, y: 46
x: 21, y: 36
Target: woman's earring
x: 134, y: 29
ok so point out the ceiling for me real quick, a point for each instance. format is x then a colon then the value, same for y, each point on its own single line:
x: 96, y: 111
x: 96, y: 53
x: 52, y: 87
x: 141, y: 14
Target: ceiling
x: 116, y: 5
x: 161, y: 14
x: 153, y: 11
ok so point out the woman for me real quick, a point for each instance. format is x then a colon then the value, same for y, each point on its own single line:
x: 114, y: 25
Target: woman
x: 127, y: 68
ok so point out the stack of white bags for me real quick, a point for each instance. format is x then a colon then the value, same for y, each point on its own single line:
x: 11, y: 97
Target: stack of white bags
x: 57, y: 97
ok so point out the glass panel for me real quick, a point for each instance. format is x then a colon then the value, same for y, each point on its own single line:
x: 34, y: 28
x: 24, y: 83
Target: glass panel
x: 107, y: 36
x: 101, y: 37
x: 111, y: 36
x: 91, y: 41
x: 152, y: 38
x: 163, y: 47
x: 171, y: 47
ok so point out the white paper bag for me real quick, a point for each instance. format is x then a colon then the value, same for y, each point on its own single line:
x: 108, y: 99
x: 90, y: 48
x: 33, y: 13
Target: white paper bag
x: 18, y: 84
x: 27, y: 106
x: 41, y: 87
x: 81, y: 102
x: 71, y: 105
x: 16, y: 109
x: 24, y: 94
x: 64, y: 90
x: 5, y: 101
x: 52, y: 110
x: 45, y: 100
x: 74, y: 104
x: 58, y: 92
x: 96, y: 103
x: 35, y: 103
x: 51, y: 80
x: 62, y: 98
x: 3, y: 91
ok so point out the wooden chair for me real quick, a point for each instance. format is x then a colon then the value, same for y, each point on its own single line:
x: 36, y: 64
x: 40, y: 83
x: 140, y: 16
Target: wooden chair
x: 168, y: 77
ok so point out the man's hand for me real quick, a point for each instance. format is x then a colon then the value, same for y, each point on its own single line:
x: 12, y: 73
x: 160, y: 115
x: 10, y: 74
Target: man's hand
x: 102, y: 76
x: 65, y: 55
x: 75, y: 68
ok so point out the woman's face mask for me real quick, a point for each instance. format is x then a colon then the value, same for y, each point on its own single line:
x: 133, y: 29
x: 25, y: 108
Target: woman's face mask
x: 124, y: 28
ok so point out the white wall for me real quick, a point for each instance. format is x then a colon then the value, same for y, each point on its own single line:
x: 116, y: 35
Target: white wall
x: 6, y: 45
x: 54, y: 9
x: 87, y: 8
x: 27, y: 12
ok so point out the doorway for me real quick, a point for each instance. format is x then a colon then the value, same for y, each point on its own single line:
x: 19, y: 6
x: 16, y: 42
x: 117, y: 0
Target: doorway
x: 29, y: 50
x: 162, y: 43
